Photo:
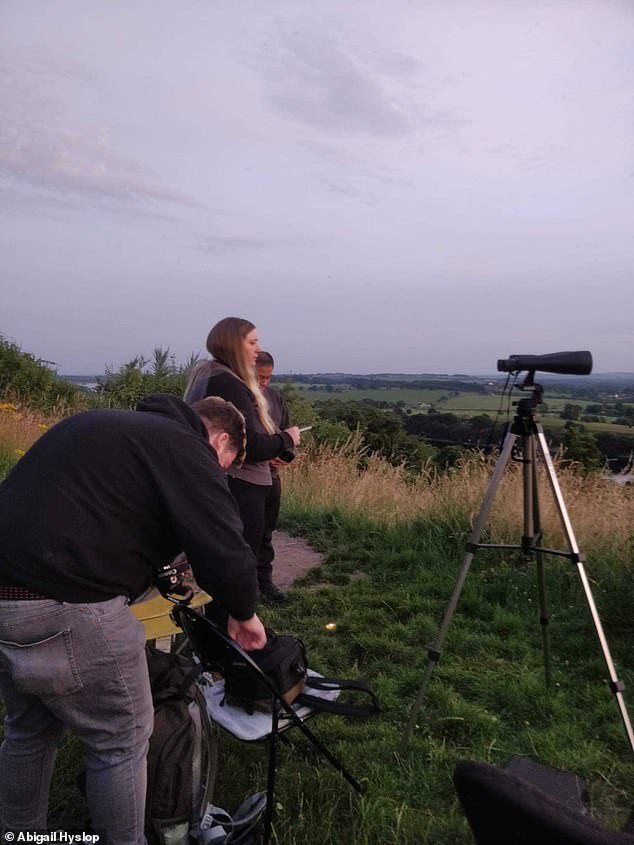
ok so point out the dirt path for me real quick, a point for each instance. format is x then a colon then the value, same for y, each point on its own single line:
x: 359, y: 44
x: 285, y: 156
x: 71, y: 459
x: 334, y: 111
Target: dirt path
x: 293, y: 558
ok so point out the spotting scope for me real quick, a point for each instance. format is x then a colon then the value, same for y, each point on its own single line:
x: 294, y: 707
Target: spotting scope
x: 566, y: 363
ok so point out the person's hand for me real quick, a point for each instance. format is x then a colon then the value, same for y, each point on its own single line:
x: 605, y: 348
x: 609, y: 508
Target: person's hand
x: 293, y: 431
x: 248, y: 633
x: 278, y: 462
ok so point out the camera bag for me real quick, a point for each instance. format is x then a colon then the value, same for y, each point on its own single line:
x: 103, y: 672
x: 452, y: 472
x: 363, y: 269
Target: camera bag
x: 284, y: 662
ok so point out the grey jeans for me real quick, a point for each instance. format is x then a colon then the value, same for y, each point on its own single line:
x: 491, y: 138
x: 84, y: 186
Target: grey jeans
x: 80, y: 667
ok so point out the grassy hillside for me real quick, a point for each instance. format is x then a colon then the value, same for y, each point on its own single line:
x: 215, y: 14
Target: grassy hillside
x: 393, y: 544
x: 392, y: 552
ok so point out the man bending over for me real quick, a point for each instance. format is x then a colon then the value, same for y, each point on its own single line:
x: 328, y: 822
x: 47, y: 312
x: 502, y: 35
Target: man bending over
x: 100, y: 501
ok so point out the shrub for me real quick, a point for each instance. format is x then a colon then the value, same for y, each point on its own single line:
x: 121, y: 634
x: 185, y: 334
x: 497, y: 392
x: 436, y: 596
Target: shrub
x: 30, y: 381
x: 141, y: 377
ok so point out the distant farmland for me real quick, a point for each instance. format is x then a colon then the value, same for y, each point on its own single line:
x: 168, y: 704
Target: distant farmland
x: 468, y: 403
x: 412, y: 397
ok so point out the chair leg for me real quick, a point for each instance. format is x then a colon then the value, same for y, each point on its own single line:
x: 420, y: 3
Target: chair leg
x: 324, y: 751
x: 270, y: 786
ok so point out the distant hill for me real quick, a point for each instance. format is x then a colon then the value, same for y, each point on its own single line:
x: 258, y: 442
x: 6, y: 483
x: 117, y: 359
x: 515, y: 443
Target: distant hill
x: 79, y: 379
x: 595, y: 382
x: 466, y: 376
x: 604, y: 383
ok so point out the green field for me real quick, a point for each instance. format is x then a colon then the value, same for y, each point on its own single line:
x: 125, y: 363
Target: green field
x: 466, y: 404
x: 556, y: 422
x: 413, y: 398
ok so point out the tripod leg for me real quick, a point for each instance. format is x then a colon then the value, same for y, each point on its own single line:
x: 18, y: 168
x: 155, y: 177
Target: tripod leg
x: 435, y: 650
x: 616, y: 685
x: 543, y: 616
x: 536, y: 541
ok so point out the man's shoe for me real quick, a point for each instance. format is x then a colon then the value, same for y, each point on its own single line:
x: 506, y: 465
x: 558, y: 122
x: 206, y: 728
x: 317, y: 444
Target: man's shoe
x: 271, y: 594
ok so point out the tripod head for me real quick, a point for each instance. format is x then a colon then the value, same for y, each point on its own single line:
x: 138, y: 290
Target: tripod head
x: 526, y: 414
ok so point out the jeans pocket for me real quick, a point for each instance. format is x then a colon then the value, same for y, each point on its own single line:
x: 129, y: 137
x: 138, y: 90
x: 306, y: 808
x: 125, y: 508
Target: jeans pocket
x: 103, y: 611
x: 44, y: 667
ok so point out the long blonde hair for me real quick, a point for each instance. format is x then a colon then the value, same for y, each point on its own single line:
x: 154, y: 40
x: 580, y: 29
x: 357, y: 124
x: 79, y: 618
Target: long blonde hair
x: 225, y: 344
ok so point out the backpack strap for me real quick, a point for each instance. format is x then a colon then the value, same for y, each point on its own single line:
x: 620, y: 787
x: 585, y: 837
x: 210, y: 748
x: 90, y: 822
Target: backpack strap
x: 324, y: 705
x: 209, y: 763
x: 184, y: 688
x: 171, y: 675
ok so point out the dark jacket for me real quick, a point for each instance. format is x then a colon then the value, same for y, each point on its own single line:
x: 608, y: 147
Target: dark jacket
x: 279, y: 414
x: 261, y: 446
x: 104, y: 497
x: 277, y: 407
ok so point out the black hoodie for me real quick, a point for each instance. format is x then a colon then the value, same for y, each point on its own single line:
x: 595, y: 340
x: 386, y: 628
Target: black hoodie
x: 104, y: 497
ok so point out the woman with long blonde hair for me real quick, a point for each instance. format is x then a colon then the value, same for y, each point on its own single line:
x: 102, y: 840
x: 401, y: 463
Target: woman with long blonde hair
x: 231, y: 374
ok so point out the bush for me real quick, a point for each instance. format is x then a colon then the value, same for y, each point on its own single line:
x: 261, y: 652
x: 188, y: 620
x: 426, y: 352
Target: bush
x: 133, y: 381
x: 580, y: 447
x: 32, y: 382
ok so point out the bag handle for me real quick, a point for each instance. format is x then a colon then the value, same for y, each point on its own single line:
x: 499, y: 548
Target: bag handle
x: 324, y: 705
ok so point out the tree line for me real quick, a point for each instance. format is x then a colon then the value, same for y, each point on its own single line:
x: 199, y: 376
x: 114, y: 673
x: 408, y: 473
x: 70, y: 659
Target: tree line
x: 411, y: 440
x: 380, y: 382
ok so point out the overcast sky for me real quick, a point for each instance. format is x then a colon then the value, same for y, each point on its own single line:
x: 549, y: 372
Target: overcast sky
x: 380, y: 186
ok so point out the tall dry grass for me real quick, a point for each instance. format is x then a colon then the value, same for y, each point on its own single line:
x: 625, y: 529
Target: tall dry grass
x: 601, y: 512
x: 21, y: 426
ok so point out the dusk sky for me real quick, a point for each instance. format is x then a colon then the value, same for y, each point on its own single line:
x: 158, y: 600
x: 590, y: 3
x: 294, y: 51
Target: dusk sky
x: 380, y: 186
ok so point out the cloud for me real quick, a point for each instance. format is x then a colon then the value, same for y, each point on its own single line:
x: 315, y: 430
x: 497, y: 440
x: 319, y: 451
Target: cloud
x: 223, y: 244
x: 530, y: 157
x: 351, y: 170
x: 347, y: 188
x: 43, y: 148
x: 315, y: 81
x: 218, y: 244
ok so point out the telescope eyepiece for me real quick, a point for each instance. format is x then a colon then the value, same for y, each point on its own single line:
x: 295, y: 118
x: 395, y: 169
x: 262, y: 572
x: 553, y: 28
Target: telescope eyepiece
x: 565, y: 363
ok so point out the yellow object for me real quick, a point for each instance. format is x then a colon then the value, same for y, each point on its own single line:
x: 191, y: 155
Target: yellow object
x: 155, y: 615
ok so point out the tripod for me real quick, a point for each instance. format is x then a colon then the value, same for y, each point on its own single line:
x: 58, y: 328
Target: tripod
x: 527, y: 430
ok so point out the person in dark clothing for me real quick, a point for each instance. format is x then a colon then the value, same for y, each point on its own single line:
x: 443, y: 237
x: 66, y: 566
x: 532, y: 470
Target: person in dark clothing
x: 279, y: 413
x: 86, y: 516
x: 234, y: 346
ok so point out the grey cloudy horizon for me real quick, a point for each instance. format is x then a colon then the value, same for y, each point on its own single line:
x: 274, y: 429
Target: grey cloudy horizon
x: 380, y: 187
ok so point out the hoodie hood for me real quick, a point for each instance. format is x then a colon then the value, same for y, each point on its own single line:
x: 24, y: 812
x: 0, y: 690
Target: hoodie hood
x: 170, y: 406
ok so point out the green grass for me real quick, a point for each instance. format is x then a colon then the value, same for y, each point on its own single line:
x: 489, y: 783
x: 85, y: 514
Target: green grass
x: 387, y: 590
x: 557, y: 423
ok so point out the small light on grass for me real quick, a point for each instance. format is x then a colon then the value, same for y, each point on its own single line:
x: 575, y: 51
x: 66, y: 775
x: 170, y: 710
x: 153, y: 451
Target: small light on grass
x: 331, y: 626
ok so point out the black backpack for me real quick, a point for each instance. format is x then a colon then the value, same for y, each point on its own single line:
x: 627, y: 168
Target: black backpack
x: 182, y: 758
